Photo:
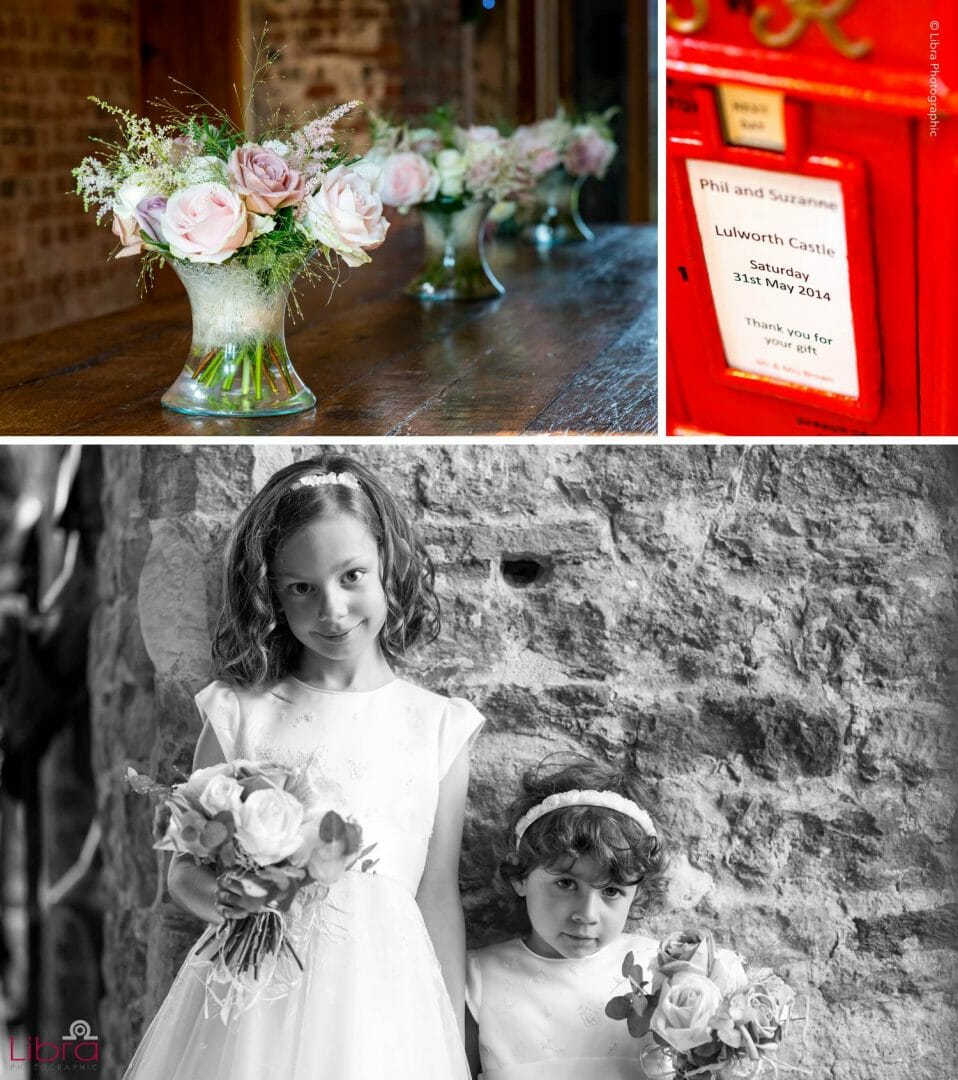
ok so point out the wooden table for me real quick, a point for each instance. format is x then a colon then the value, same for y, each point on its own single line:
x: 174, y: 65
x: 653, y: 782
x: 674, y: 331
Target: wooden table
x: 570, y: 348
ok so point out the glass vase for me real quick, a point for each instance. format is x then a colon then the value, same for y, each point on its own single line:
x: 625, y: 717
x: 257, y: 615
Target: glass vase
x: 238, y: 364
x: 555, y: 217
x: 455, y: 266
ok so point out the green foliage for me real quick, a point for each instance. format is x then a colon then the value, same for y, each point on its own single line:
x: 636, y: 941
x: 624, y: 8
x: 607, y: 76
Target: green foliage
x: 218, y: 140
x: 442, y: 120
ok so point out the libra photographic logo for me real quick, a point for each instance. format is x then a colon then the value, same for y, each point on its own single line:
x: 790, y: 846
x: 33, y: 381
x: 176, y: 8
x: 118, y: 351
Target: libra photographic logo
x: 79, y: 1049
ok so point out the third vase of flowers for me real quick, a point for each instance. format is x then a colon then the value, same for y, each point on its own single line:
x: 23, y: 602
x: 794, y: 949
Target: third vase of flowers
x: 554, y: 217
x: 454, y: 259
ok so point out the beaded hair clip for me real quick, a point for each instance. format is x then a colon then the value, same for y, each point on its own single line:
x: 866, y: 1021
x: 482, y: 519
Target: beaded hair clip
x: 343, y: 479
x: 607, y: 799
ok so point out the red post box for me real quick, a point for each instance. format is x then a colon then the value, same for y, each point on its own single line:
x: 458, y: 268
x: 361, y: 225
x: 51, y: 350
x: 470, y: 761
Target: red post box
x: 812, y: 194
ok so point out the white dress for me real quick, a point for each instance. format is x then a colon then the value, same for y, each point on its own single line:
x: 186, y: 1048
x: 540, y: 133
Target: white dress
x: 372, y: 1002
x: 542, y: 1019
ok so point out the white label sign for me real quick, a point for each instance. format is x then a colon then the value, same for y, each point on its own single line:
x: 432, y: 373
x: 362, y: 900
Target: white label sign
x: 777, y: 262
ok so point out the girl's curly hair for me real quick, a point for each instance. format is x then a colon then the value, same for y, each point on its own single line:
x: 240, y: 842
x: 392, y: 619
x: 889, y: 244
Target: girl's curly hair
x: 626, y: 853
x: 252, y: 645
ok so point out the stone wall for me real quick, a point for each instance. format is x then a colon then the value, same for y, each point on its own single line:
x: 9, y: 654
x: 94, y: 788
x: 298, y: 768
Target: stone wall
x: 768, y: 631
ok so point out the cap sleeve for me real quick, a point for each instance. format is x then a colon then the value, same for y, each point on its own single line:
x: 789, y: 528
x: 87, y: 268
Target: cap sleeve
x: 219, y: 707
x: 460, y: 725
x: 473, y: 985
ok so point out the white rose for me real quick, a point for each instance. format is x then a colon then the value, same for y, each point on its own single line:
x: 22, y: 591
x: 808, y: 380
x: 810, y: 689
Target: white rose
x: 683, y: 1016
x: 128, y: 195
x: 258, y: 224
x: 277, y: 146
x: 221, y: 793
x: 451, y: 166
x: 196, y: 784
x: 268, y: 826
x: 346, y: 212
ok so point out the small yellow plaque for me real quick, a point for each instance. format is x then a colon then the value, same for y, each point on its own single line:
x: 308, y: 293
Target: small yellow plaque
x: 753, y: 117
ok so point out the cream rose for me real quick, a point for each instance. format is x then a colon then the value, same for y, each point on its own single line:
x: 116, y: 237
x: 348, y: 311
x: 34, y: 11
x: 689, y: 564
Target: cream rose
x: 126, y: 227
x: 265, y: 179
x: 268, y: 826
x: 683, y: 1016
x: 588, y: 153
x: 221, y: 793
x: 205, y: 223
x: 196, y: 785
x: 127, y: 231
x: 451, y: 166
x: 346, y: 212
x: 408, y: 179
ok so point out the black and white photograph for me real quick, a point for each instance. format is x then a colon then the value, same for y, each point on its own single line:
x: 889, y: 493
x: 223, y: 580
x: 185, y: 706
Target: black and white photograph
x: 499, y: 760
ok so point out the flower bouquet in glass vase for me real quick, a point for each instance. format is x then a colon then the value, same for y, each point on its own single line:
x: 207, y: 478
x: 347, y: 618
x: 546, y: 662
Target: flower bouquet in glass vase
x: 454, y: 175
x: 239, y: 220
x: 561, y: 154
x: 709, y: 1014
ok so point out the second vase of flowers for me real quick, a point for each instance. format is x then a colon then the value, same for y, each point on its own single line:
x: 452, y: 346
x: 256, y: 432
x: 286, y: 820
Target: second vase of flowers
x: 454, y: 259
x: 453, y: 175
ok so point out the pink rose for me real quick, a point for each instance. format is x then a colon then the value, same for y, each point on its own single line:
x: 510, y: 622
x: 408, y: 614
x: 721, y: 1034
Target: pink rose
x: 346, y: 212
x: 265, y: 179
x: 205, y: 223
x: 696, y: 951
x: 537, y: 149
x: 588, y: 154
x: 482, y: 133
x: 408, y: 179
x: 683, y: 1017
x: 149, y: 215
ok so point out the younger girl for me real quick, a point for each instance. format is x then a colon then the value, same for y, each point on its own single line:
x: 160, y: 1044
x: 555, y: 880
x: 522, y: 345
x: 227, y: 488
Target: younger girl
x: 584, y: 858
x: 325, y: 585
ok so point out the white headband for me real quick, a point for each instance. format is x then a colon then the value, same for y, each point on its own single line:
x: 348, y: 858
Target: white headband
x: 607, y: 799
x: 344, y: 479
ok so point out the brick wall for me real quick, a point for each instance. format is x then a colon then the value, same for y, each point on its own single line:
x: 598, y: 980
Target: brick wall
x: 769, y: 632
x: 402, y: 58
x: 53, y: 258
x: 54, y: 266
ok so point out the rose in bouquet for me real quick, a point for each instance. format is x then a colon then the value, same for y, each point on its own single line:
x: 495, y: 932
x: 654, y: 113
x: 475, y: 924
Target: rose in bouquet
x: 453, y: 174
x: 239, y: 217
x: 713, y: 1016
x: 580, y: 147
x: 264, y: 831
x: 561, y: 153
x: 439, y: 162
